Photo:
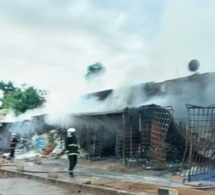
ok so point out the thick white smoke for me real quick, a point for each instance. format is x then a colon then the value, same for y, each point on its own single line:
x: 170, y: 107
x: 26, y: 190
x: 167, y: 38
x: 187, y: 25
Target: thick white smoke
x: 134, y: 46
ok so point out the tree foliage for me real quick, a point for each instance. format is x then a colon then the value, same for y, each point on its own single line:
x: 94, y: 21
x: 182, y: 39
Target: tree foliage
x: 94, y: 70
x: 21, y: 99
x: 6, y: 87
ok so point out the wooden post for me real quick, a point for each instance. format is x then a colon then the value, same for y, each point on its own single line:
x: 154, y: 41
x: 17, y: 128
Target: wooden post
x: 141, y: 138
x: 117, y: 137
x: 131, y: 140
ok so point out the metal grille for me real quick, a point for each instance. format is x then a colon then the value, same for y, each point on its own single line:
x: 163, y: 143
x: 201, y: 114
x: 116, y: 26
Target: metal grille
x: 154, y: 124
x: 146, y: 117
x: 201, y: 142
x: 132, y: 139
x: 160, y: 126
x: 119, y: 142
x: 128, y: 136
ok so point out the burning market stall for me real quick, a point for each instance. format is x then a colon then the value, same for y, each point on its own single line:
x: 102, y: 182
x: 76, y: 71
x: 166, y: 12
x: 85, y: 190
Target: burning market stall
x: 148, y: 132
x: 97, y: 132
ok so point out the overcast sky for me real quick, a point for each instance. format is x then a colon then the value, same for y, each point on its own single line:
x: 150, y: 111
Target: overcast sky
x: 50, y: 43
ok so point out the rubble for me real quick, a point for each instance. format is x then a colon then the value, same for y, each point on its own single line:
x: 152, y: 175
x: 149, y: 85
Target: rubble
x: 97, y: 181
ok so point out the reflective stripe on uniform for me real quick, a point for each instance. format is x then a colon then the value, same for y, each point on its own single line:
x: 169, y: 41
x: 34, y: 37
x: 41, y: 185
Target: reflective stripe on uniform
x: 72, y: 144
x: 72, y: 154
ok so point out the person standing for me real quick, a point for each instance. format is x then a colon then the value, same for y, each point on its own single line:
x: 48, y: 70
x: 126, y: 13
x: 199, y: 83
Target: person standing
x: 13, y: 143
x: 71, y: 149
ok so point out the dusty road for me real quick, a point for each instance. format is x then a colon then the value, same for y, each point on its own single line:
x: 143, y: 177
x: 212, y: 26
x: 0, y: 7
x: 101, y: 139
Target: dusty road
x: 21, y: 186
x: 113, y: 179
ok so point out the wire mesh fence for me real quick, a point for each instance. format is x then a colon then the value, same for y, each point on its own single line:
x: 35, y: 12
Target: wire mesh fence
x: 200, y: 151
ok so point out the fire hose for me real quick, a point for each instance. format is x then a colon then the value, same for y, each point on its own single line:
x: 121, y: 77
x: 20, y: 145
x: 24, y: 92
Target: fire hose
x: 28, y: 171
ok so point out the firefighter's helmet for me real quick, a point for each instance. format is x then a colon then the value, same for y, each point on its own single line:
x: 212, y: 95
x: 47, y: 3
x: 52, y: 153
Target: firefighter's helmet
x: 71, y: 130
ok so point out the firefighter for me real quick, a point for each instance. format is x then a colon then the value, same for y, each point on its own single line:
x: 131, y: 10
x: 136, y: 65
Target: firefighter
x: 13, y: 142
x: 71, y: 148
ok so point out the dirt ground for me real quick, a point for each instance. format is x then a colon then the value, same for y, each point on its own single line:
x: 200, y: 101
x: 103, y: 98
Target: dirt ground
x: 117, y: 166
x: 135, y: 170
x: 131, y: 178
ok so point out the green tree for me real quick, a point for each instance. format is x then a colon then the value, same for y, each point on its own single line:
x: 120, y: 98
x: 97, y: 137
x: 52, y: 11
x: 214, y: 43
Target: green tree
x: 6, y: 87
x: 94, y: 70
x: 23, y: 99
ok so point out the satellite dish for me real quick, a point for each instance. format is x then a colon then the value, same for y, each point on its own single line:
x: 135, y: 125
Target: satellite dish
x: 193, y: 65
